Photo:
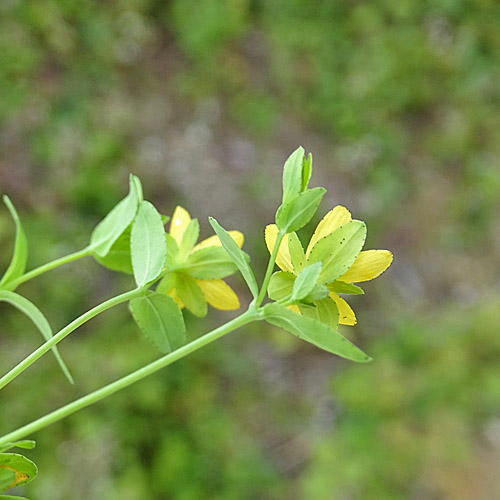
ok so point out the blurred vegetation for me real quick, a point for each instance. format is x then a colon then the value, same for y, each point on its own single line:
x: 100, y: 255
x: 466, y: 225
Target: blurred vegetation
x: 399, y: 103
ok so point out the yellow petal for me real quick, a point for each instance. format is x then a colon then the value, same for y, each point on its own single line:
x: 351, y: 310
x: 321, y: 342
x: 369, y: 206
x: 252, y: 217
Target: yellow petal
x: 295, y: 309
x: 346, y: 314
x: 179, y: 223
x: 367, y: 266
x: 331, y: 221
x: 283, y: 259
x: 219, y: 294
x: 214, y: 241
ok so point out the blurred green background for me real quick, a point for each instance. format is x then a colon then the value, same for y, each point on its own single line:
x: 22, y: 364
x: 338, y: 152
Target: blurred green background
x: 399, y: 102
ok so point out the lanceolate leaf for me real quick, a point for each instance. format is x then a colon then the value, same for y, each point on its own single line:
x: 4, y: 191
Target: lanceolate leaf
x: 306, y: 281
x: 117, y: 221
x: 237, y: 255
x: 26, y: 444
x: 147, y: 244
x: 292, y: 174
x: 338, y: 250
x: 299, y: 210
x: 209, y: 263
x: 20, y: 256
x: 160, y: 319
x: 313, y: 331
x: 25, y: 470
x: 118, y: 258
x: 35, y: 315
x: 306, y: 171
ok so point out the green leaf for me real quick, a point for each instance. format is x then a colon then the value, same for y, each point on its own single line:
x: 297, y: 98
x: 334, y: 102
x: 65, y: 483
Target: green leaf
x: 20, y: 255
x: 319, y: 292
x: 117, y: 220
x: 24, y: 467
x: 26, y: 444
x: 292, y: 174
x: 343, y: 287
x: 9, y: 497
x: 209, y: 263
x: 338, y: 250
x: 160, y: 319
x: 147, y: 244
x: 296, y: 252
x: 237, y: 255
x: 324, y: 310
x: 40, y: 321
x: 7, y: 477
x: 191, y: 294
x: 190, y: 237
x: 280, y: 285
x: 306, y: 281
x: 313, y: 331
x: 118, y: 258
x: 306, y: 171
x: 299, y: 210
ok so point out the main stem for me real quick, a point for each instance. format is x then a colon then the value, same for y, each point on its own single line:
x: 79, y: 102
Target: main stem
x: 94, y: 397
x: 48, y: 267
x: 269, y: 270
x: 35, y: 355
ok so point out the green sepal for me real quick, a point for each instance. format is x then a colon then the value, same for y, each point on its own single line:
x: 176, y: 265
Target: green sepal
x: 147, y: 244
x: 324, y: 310
x: 171, y: 252
x: 189, y: 238
x: 26, y: 444
x: 119, y: 258
x: 191, y: 294
x: 306, y: 281
x: 209, y: 263
x: 318, y: 292
x: 281, y: 285
x: 338, y: 250
x: 299, y: 210
x: 116, y: 222
x: 20, y: 464
x: 313, y: 331
x: 7, y: 477
x: 19, y: 258
x: 160, y: 319
x: 238, y: 256
x: 39, y: 320
x: 343, y: 287
x: 292, y: 174
x: 296, y: 250
x: 166, y: 283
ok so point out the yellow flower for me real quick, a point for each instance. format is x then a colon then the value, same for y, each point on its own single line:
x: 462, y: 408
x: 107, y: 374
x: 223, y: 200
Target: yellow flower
x: 368, y: 264
x: 195, y: 271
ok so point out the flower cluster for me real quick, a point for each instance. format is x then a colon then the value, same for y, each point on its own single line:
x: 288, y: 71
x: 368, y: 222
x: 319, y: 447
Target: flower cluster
x: 324, y: 301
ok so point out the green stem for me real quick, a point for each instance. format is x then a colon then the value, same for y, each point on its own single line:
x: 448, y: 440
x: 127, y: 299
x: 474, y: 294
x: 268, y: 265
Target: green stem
x: 94, y: 397
x: 269, y: 270
x: 48, y: 267
x: 35, y: 355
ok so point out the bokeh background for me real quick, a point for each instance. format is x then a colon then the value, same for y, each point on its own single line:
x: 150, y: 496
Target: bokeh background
x: 399, y: 102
